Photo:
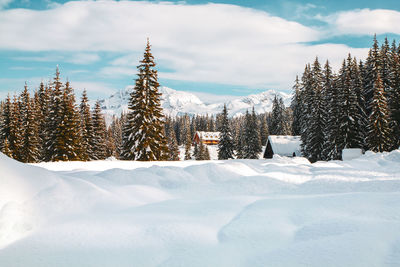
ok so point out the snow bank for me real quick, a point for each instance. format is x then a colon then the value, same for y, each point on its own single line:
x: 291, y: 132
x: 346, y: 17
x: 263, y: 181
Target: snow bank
x: 277, y: 212
x: 351, y: 153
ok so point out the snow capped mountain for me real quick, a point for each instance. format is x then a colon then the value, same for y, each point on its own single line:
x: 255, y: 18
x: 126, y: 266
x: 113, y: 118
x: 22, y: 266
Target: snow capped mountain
x: 179, y: 102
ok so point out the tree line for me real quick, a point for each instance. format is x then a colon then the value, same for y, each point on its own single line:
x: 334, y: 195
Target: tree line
x: 358, y: 107
x: 50, y: 126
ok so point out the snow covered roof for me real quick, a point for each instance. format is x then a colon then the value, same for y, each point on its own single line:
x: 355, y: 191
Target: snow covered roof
x: 285, y: 145
x: 208, y: 135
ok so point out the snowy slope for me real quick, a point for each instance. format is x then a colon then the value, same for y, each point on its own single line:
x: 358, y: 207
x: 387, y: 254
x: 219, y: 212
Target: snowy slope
x: 179, y: 102
x: 278, y: 212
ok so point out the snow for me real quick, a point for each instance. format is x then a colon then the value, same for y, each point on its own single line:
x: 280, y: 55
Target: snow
x: 351, y: 153
x: 278, y: 212
x: 211, y: 136
x: 285, y: 145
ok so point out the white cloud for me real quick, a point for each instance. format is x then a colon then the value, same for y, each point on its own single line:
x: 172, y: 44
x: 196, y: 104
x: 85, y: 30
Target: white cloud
x: 215, y: 43
x: 117, y: 71
x: 363, y: 22
x: 94, y: 89
x: 75, y: 58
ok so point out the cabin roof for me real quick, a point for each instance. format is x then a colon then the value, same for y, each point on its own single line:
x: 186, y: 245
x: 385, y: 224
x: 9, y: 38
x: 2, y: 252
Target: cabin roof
x: 285, y: 145
x: 208, y: 135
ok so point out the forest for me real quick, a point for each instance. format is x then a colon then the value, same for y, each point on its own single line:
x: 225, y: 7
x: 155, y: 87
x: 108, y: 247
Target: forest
x: 357, y: 107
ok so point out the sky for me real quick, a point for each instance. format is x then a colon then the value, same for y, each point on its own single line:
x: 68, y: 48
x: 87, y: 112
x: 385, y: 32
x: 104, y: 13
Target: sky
x: 224, y: 48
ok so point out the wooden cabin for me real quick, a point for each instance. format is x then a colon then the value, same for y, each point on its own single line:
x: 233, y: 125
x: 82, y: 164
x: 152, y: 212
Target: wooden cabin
x: 208, y: 138
x: 282, y: 145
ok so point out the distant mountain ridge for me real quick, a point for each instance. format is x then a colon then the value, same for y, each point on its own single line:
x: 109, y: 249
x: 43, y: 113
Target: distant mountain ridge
x: 180, y: 102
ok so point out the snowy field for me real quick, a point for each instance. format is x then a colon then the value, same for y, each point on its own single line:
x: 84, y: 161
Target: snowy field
x: 278, y: 212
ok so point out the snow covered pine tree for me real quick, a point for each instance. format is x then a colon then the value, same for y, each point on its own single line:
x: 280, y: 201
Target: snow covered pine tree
x: 143, y: 135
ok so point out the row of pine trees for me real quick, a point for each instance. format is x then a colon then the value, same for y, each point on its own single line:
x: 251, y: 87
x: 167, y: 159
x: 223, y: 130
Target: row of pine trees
x: 49, y: 126
x: 358, y: 107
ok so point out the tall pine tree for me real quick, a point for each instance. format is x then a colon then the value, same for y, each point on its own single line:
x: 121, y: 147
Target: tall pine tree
x: 225, y: 145
x: 143, y: 137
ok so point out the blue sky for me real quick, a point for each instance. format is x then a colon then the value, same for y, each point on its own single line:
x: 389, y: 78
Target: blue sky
x: 223, y: 48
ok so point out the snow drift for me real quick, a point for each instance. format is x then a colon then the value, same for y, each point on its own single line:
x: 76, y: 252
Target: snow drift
x: 278, y: 212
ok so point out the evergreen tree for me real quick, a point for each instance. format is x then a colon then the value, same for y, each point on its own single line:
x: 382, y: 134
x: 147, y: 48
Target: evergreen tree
x: 15, y: 136
x: 116, y: 128
x: 5, y: 122
x: 379, y: 135
x: 111, y: 150
x: 350, y: 120
x: 54, y: 119
x: 307, y: 97
x: 277, y: 119
x: 203, y: 153
x: 42, y: 112
x: 173, y: 149
x: 195, y: 151
x: 264, y: 130
x: 316, y: 139
x: 394, y: 94
x: 372, y: 69
x: 99, y: 134
x: 29, y: 151
x: 86, y: 128
x: 225, y: 145
x: 68, y: 135
x: 143, y: 134
x: 6, y: 149
x: 296, y: 106
x: 188, y: 146
x: 252, y: 146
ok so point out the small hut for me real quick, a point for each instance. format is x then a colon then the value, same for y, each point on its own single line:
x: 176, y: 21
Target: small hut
x: 208, y: 138
x: 282, y: 145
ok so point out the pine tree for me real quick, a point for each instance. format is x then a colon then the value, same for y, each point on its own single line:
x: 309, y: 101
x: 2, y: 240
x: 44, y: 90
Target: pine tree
x: 15, y: 136
x: 54, y: 119
x: 6, y: 149
x: 331, y: 95
x: 99, y: 134
x: 110, y: 144
x: 307, y: 97
x: 68, y: 135
x: 42, y: 103
x: 277, y: 119
x: 372, y: 69
x: 5, y: 122
x: 29, y: 151
x: 264, y: 130
x: 143, y: 134
x: 86, y: 128
x: 203, y: 153
x: 207, y: 154
x: 225, y: 145
x: 350, y: 131
x: 195, y: 151
x: 252, y: 146
x: 316, y: 122
x: 173, y: 149
x: 394, y: 95
x: 379, y: 134
x: 188, y: 146
x: 116, y: 128
x: 296, y: 106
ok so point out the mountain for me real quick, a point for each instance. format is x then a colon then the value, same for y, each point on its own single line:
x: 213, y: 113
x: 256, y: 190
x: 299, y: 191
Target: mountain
x: 179, y: 102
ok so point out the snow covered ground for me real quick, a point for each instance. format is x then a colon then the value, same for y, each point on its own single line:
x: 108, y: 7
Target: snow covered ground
x: 278, y: 212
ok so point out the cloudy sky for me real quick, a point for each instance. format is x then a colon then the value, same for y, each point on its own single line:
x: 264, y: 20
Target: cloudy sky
x: 221, y: 47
